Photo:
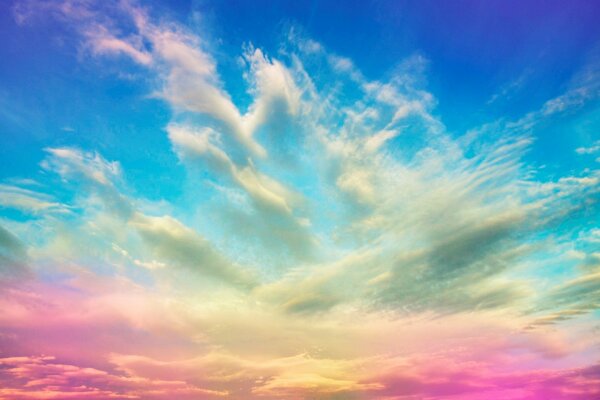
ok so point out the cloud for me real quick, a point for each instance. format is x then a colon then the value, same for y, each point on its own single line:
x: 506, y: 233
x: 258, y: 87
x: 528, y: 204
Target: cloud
x: 275, y: 206
x: 441, y: 223
x: 507, y: 90
x: 191, y: 82
x: 433, y: 375
x: 271, y: 83
x: 266, y: 192
x: 574, y: 297
x: 42, y: 377
x: 332, y: 240
x: 102, y: 42
x: 589, y: 150
x: 13, y: 255
x: 28, y: 200
x: 167, y: 237
x: 171, y: 240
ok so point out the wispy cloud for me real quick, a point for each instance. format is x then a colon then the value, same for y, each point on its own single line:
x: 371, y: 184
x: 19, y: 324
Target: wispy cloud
x: 332, y: 240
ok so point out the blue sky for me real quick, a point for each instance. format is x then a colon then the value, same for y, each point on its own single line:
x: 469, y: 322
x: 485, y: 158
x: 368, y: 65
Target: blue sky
x: 522, y: 55
x: 183, y: 182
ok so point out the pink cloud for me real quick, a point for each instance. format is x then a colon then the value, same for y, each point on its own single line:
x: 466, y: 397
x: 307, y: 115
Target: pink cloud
x: 114, y: 45
x: 110, y: 338
x: 43, y: 377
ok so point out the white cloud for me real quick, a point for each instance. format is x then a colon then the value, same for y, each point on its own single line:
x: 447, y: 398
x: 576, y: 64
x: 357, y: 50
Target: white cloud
x: 589, y: 150
x: 28, y: 200
x: 102, y: 42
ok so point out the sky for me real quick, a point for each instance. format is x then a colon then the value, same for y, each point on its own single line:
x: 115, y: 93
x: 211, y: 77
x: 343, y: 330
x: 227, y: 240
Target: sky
x: 299, y: 200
